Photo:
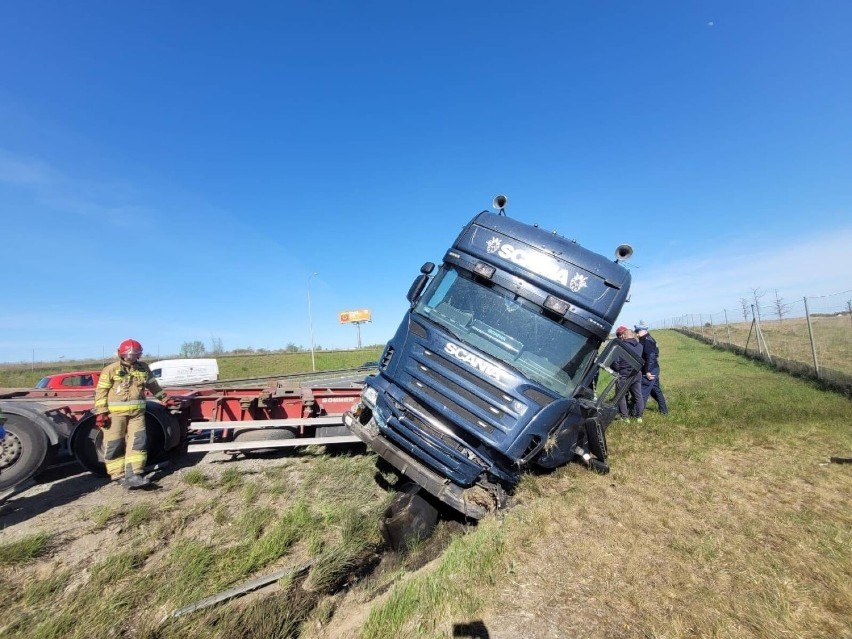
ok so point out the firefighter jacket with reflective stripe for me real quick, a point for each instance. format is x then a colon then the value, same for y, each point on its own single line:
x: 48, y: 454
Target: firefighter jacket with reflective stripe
x: 121, y: 388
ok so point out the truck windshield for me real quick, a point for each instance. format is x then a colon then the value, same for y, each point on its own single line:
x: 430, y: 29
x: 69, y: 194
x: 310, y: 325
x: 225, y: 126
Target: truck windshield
x: 509, y: 328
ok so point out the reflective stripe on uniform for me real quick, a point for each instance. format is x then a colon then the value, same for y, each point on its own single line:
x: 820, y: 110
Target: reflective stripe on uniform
x: 115, y: 467
x: 101, y: 402
x: 135, y: 456
x: 136, y: 459
x: 104, y: 383
x: 122, y: 407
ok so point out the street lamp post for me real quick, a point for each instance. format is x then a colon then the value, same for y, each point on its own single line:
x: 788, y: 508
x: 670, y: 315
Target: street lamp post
x: 311, y: 325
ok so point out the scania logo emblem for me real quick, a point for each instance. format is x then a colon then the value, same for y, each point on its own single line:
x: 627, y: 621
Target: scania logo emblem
x: 474, y: 361
x: 577, y: 282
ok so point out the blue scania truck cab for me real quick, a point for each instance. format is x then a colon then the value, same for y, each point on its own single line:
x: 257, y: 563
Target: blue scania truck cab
x: 493, y: 368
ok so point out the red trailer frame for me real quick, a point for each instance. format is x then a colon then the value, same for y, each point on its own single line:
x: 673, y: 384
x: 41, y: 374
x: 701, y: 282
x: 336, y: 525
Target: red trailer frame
x: 266, y: 415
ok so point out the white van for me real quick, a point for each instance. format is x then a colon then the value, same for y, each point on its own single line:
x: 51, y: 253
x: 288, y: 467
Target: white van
x: 174, y: 372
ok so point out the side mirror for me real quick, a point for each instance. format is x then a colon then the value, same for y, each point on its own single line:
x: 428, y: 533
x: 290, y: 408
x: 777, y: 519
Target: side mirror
x: 427, y: 268
x: 417, y: 288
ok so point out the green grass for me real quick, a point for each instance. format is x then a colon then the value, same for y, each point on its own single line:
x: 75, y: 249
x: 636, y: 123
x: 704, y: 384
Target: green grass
x: 117, y: 566
x: 101, y: 515
x: 456, y: 587
x: 230, y: 480
x: 722, y: 520
x: 790, y: 339
x: 196, y: 477
x: 39, y: 590
x: 253, y: 522
x: 25, y: 549
x: 140, y: 514
x: 250, y: 493
x: 257, y: 365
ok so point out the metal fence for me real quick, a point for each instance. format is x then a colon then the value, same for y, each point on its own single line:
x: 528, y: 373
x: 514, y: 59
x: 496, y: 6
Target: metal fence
x: 810, y: 337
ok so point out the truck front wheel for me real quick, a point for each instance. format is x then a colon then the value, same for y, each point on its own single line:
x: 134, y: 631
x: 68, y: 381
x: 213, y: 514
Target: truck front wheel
x: 24, y: 451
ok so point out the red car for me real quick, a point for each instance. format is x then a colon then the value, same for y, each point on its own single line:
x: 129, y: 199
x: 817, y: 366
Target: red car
x: 67, y: 381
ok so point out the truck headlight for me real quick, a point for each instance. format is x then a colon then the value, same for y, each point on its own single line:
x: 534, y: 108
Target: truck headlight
x: 370, y: 396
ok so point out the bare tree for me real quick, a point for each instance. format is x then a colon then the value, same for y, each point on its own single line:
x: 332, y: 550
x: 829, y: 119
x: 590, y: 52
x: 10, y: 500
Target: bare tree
x: 192, y: 349
x: 757, y: 293
x: 744, y: 305
x: 781, y: 309
x: 216, y: 346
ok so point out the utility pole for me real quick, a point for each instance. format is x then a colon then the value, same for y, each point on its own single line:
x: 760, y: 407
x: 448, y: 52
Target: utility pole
x: 311, y: 324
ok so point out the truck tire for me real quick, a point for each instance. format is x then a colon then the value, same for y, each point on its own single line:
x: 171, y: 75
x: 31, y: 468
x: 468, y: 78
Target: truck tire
x: 87, y: 449
x: 596, y: 439
x: 263, y: 435
x: 409, y: 518
x: 25, y: 451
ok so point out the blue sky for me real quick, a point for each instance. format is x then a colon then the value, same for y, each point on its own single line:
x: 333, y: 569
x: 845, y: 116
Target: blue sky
x: 176, y: 171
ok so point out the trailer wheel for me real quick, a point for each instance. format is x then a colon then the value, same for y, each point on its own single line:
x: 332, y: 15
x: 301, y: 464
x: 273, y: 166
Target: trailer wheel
x: 86, y: 443
x: 24, y: 451
x: 263, y: 435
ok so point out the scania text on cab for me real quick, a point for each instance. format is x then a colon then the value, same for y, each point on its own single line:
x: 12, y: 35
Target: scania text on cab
x: 493, y: 368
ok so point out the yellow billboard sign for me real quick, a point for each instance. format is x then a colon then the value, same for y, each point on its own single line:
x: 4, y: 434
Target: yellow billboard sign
x: 349, y: 317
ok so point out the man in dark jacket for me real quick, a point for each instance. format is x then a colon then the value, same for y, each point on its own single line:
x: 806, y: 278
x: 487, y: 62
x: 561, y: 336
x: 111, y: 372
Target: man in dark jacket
x: 628, y: 376
x: 651, y: 368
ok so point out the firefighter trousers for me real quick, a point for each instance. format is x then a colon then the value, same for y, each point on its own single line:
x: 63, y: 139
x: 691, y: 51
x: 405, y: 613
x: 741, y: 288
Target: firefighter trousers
x: 125, y: 444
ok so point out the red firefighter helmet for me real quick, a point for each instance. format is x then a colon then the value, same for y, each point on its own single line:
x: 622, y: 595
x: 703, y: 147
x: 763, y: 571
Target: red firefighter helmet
x: 130, y: 350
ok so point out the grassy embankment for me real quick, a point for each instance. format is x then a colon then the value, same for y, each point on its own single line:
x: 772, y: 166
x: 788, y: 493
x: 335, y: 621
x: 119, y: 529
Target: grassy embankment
x: 723, y: 519
x: 790, y: 339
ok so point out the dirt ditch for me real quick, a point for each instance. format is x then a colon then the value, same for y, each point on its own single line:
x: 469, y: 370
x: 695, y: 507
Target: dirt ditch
x: 88, y: 520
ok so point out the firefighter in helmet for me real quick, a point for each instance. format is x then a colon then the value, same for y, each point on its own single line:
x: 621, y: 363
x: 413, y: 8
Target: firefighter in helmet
x: 120, y: 413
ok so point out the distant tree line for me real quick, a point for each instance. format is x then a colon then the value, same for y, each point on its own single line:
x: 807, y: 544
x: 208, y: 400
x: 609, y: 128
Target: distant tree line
x: 196, y: 348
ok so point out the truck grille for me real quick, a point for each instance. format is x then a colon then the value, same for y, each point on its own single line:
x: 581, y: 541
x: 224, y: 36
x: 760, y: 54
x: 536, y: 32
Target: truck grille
x: 454, y: 407
x: 483, y: 406
x: 425, y: 426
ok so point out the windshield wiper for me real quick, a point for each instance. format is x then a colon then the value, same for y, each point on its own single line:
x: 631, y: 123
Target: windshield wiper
x: 428, y: 316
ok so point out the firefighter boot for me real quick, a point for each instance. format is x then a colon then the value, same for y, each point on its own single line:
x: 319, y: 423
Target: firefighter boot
x: 136, y: 481
x: 132, y: 480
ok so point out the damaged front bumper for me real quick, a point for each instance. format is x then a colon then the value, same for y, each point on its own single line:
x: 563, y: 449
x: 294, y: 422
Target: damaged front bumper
x: 474, y: 502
